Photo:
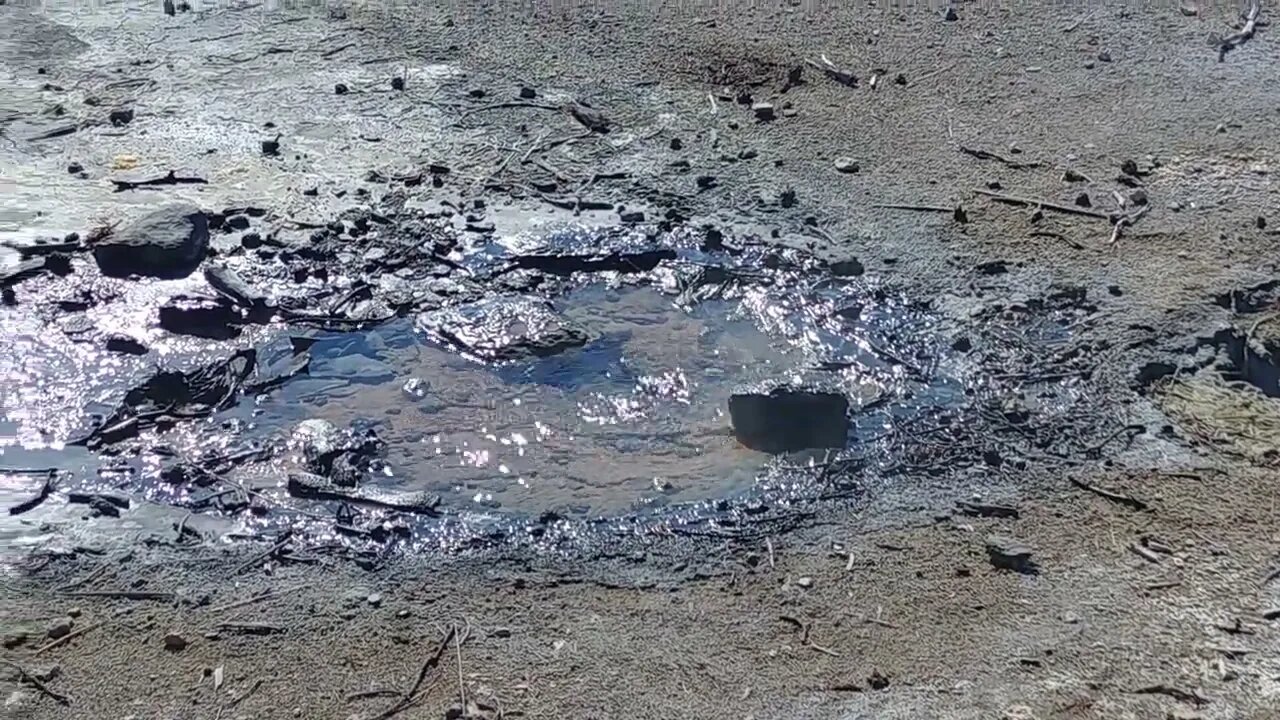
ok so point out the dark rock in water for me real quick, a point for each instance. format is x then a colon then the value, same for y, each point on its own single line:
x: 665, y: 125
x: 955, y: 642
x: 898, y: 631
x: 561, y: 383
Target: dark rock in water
x: 167, y: 243
x: 306, y: 485
x: 847, y: 268
x: 623, y: 261
x: 1006, y: 553
x: 504, y: 329
x: 201, y: 317
x: 528, y: 93
x: 787, y: 419
x: 271, y: 148
x: 341, y: 89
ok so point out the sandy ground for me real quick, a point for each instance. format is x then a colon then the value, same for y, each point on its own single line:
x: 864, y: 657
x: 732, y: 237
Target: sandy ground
x: 890, y: 609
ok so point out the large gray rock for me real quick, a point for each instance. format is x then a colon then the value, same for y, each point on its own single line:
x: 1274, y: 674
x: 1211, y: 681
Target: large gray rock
x: 782, y: 419
x: 168, y: 242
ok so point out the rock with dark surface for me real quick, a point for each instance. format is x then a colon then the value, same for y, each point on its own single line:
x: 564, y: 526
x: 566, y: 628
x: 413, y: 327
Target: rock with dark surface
x: 782, y: 419
x: 169, y: 242
x: 1007, y: 553
x: 201, y: 317
x: 504, y: 329
x: 59, y: 628
x: 173, y: 642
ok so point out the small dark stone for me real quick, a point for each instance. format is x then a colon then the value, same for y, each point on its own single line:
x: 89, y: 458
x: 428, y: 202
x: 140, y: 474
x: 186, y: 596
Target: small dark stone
x: 237, y: 222
x: 341, y: 89
x: 993, y: 267
x: 169, y: 8
x: 17, y: 639
x: 994, y: 185
x: 271, y: 148
x: 677, y: 144
x: 1007, y: 553
x: 174, y: 642
x: 962, y: 344
x: 787, y: 198
x: 959, y: 215
x: 1115, y: 290
x: 787, y: 419
x: 951, y: 15
x: 75, y: 168
x: 1138, y: 196
x: 1070, y: 175
x: 706, y: 182
x: 1260, y: 223
x: 1104, y: 56
x: 397, y: 82
x: 59, y: 628
x: 528, y: 93
x: 251, y: 240
x: 847, y: 268
x: 1082, y: 200
x: 877, y: 681
x: 121, y: 117
x: 477, y: 93
x: 634, y: 216
x: 763, y: 111
x: 1129, y: 167
x: 125, y: 345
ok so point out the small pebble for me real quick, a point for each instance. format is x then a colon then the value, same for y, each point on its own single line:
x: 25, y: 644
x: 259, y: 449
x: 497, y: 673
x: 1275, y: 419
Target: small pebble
x: 528, y: 93
x: 402, y: 614
x: 763, y: 111
x: 174, y: 642
x: 59, y: 628
x: 502, y: 633
x: 75, y: 611
x: 375, y: 599
x: 805, y: 582
x: 951, y: 15
x: 341, y: 89
x: 397, y: 83
x: 347, y: 614
x: 847, y: 165
x: 1104, y: 56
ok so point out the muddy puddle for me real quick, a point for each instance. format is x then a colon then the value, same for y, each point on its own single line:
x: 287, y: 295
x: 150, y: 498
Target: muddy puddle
x: 575, y: 374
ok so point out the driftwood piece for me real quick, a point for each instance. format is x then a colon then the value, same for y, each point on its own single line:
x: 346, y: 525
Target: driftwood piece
x: 985, y: 155
x: 46, y: 489
x: 1046, y: 205
x: 1236, y: 39
x: 1114, y: 497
